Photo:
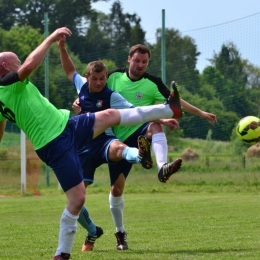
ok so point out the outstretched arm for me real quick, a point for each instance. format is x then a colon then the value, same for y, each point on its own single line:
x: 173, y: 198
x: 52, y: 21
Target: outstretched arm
x: 66, y: 62
x: 2, y: 129
x: 171, y: 123
x: 37, y: 56
x: 187, y: 107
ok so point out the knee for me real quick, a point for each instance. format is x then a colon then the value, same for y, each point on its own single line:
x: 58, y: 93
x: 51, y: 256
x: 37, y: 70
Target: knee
x: 117, y: 190
x: 115, y: 151
x: 81, y: 200
x: 76, y: 200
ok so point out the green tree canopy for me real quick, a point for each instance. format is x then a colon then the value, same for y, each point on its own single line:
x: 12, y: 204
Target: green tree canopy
x: 24, y: 39
x: 230, y: 79
x: 181, y: 59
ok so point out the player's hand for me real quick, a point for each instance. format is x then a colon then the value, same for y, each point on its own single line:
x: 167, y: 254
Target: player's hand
x: 76, y: 107
x: 171, y: 123
x: 61, y: 41
x: 212, y: 119
x: 64, y: 31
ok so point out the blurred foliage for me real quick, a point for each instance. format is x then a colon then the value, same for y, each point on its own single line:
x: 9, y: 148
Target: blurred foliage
x: 228, y: 87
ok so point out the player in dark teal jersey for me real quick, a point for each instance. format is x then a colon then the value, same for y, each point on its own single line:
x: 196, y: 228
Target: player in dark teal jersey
x: 141, y: 88
x: 55, y: 136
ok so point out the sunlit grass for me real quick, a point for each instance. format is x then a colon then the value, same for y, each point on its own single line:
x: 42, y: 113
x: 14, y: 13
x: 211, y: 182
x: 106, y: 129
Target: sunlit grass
x: 174, y: 225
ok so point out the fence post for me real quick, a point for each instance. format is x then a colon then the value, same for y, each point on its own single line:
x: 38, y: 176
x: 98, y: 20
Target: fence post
x: 243, y: 161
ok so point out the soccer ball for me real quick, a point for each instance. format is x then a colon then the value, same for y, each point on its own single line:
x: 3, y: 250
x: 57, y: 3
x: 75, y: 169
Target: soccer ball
x: 248, y: 130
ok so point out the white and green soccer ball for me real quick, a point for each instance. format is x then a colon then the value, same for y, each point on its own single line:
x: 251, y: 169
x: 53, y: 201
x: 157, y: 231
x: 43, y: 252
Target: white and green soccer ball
x: 248, y: 130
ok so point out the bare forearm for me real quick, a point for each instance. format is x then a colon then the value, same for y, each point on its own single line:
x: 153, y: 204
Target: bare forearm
x: 34, y: 59
x: 67, y: 63
x: 187, y: 107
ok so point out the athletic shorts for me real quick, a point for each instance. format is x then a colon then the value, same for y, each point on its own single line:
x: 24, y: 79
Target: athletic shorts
x: 95, y: 154
x: 61, y: 154
x: 124, y: 166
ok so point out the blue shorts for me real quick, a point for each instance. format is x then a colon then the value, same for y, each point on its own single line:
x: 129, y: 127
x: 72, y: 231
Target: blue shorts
x: 61, y: 154
x: 95, y: 154
x: 124, y: 166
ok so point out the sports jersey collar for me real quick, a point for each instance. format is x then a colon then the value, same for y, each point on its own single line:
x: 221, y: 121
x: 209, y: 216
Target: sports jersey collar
x: 133, y: 80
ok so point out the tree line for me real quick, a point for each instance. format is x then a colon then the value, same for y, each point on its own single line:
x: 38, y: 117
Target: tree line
x: 228, y: 87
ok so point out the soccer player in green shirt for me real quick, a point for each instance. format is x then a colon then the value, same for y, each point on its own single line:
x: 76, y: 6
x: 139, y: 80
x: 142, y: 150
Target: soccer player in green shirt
x: 56, y: 137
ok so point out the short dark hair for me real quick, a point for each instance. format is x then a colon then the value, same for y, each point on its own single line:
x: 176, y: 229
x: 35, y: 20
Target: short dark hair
x: 139, y: 48
x: 96, y: 66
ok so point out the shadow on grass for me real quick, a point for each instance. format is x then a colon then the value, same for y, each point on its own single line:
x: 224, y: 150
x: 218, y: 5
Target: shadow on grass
x: 176, y: 252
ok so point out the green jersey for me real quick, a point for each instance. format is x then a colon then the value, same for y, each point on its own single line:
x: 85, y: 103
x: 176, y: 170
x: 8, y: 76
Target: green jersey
x: 22, y: 104
x: 144, y: 92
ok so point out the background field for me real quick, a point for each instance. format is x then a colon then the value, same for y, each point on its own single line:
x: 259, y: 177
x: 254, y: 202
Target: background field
x: 171, y: 225
x: 208, y: 210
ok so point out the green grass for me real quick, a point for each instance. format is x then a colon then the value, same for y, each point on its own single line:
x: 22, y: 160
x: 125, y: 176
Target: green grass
x: 173, y: 225
x: 208, y: 210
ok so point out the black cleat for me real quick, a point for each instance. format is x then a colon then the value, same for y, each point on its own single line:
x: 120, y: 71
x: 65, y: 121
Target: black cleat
x: 144, y: 156
x: 121, y: 240
x: 169, y: 169
x: 90, y: 240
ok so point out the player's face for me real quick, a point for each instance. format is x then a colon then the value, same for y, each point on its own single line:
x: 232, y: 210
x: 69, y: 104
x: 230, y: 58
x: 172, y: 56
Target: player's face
x: 138, y: 64
x: 96, y: 81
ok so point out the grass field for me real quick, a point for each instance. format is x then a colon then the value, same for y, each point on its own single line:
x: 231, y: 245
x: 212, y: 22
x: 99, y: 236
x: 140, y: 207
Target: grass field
x: 208, y: 210
x: 171, y: 225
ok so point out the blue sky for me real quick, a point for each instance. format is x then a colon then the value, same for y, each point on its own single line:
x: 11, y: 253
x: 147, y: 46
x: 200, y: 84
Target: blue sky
x: 188, y: 15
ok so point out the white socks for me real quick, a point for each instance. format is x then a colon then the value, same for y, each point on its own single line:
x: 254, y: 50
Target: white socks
x: 68, y: 229
x: 160, y: 149
x: 117, y: 208
x: 138, y: 115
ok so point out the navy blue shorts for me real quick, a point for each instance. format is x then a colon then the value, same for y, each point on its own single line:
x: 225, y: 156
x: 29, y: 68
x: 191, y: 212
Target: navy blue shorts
x: 124, y: 166
x: 61, y: 154
x: 95, y: 154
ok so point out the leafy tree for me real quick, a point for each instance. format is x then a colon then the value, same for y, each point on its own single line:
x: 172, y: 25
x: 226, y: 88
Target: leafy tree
x: 253, y: 75
x: 181, y: 59
x: 8, y: 14
x: 69, y: 13
x: 229, y: 70
x: 124, y: 30
x: 109, y: 64
x: 212, y: 77
x: 22, y: 40
x: 95, y: 35
x: 195, y: 127
x: 95, y: 43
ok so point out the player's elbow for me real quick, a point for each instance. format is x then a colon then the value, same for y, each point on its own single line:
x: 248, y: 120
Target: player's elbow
x: 25, y: 70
